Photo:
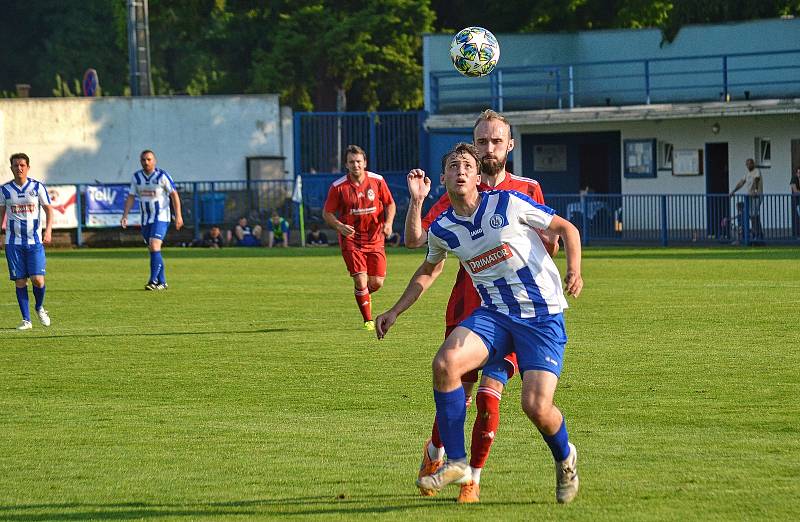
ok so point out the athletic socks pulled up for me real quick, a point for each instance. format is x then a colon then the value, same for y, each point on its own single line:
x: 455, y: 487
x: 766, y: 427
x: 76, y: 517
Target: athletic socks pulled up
x: 38, y: 296
x: 451, y: 411
x: 24, y: 302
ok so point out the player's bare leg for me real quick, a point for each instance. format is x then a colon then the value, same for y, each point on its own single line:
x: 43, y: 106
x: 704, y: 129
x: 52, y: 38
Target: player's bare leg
x: 538, y: 389
x: 462, y: 351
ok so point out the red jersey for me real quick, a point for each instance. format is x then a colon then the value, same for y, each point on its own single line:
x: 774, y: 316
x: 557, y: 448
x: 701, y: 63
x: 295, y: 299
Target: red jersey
x: 464, y: 298
x: 362, y: 207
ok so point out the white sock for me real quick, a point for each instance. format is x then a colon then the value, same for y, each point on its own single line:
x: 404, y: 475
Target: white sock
x: 435, y: 453
x: 476, y: 475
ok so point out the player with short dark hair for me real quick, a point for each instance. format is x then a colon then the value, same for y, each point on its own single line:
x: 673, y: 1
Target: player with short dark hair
x: 156, y: 190
x: 493, y: 234
x: 361, y: 209
x: 493, y: 140
x: 23, y: 200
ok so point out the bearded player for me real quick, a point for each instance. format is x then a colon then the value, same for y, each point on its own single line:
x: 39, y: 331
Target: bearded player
x: 492, y: 137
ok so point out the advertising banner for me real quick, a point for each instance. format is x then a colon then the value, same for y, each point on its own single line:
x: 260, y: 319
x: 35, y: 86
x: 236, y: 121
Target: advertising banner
x: 105, y: 203
x: 63, y: 202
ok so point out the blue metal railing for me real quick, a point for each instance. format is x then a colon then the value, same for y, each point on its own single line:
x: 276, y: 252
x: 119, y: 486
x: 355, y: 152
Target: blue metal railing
x: 681, y: 218
x: 717, y: 77
x: 659, y: 219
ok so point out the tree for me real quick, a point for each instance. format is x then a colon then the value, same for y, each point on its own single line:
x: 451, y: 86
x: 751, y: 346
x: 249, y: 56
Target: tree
x: 370, y: 50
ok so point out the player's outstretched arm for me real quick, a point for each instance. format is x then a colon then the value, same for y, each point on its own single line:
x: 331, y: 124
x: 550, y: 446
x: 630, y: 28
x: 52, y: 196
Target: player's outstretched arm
x: 422, y: 279
x: 572, y: 247
x: 419, y: 187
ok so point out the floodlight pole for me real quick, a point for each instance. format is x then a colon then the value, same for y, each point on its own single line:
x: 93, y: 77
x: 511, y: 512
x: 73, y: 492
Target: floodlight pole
x: 139, y: 48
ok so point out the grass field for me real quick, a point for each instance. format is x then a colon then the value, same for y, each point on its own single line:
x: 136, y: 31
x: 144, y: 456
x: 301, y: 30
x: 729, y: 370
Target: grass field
x: 248, y: 391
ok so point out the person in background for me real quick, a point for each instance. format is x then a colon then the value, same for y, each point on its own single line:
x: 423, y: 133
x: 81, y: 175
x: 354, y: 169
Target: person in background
x: 278, y: 234
x: 211, y: 239
x: 156, y: 191
x: 361, y: 209
x: 794, y: 186
x: 245, y: 235
x: 316, y: 237
x: 754, y: 184
x: 22, y: 201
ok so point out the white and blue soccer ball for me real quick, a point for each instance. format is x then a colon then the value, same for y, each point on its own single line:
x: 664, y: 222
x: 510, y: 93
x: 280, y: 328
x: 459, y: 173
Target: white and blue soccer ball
x: 474, y: 51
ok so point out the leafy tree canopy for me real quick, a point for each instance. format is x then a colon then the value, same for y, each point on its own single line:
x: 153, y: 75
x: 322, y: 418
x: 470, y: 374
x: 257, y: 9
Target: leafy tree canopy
x: 308, y: 51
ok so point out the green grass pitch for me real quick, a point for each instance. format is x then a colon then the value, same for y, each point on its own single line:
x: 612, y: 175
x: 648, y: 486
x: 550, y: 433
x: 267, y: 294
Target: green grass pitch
x: 247, y: 391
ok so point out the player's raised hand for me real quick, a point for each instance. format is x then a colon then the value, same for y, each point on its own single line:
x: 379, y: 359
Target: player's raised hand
x: 419, y: 186
x: 383, y: 322
x: 573, y: 284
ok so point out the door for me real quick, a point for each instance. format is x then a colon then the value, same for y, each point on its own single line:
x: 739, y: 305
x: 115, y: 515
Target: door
x: 717, y: 189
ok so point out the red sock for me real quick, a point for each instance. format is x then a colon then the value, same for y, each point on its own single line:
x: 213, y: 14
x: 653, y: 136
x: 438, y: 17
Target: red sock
x: 364, y: 304
x: 486, y: 423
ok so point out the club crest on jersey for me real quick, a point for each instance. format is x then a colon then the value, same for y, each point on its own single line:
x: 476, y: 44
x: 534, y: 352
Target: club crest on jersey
x: 371, y: 195
x: 490, y: 258
x: 497, y: 221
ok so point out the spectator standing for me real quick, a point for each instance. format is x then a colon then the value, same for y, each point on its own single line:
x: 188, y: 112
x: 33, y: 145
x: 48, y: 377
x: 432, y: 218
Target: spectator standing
x: 794, y: 186
x: 754, y: 184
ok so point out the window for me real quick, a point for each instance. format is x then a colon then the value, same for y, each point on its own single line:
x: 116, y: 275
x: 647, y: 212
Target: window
x: 763, y: 152
x: 664, y: 155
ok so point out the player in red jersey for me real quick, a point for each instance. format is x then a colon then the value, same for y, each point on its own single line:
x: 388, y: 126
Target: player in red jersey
x: 492, y: 137
x: 361, y: 209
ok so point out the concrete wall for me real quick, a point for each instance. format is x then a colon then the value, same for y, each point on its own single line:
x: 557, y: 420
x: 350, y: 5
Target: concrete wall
x: 80, y: 140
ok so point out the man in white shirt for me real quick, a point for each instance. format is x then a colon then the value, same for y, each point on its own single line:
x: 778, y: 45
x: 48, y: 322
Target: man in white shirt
x: 755, y: 188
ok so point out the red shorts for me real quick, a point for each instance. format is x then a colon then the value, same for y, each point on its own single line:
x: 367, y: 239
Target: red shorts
x: 472, y: 376
x: 371, y: 263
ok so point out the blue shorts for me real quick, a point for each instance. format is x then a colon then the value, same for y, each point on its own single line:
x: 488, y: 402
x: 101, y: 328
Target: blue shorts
x: 248, y: 241
x: 25, y: 261
x: 538, y: 341
x: 156, y: 230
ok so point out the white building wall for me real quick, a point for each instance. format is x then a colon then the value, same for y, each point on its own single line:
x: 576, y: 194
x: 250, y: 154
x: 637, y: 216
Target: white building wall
x: 739, y: 132
x: 80, y: 140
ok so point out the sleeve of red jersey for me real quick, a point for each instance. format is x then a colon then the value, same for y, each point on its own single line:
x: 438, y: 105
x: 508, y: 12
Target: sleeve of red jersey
x: 332, y: 201
x: 387, y: 194
x: 437, y: 208
x: 535, y: 192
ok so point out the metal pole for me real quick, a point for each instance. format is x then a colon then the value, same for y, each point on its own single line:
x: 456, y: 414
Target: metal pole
x: 139, y: 48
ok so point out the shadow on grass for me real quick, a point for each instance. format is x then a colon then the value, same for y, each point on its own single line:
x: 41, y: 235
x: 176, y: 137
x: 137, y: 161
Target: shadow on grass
x: 302, y: 506
x: 152, y: 334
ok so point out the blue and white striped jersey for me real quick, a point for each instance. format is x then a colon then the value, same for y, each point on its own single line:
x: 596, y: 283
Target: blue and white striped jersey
x: 153, y: 192
x: 502, y: 253
x: 23, y: 211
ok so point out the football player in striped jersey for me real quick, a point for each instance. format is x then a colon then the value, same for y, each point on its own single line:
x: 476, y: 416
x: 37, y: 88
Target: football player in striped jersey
x: 155, y: 189
x: 494, y: 236
x: 493, y: 139
x: 23, y: 201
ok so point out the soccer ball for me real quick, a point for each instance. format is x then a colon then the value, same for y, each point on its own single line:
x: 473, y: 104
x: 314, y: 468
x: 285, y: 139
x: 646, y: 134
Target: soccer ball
x: 474, y: 51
